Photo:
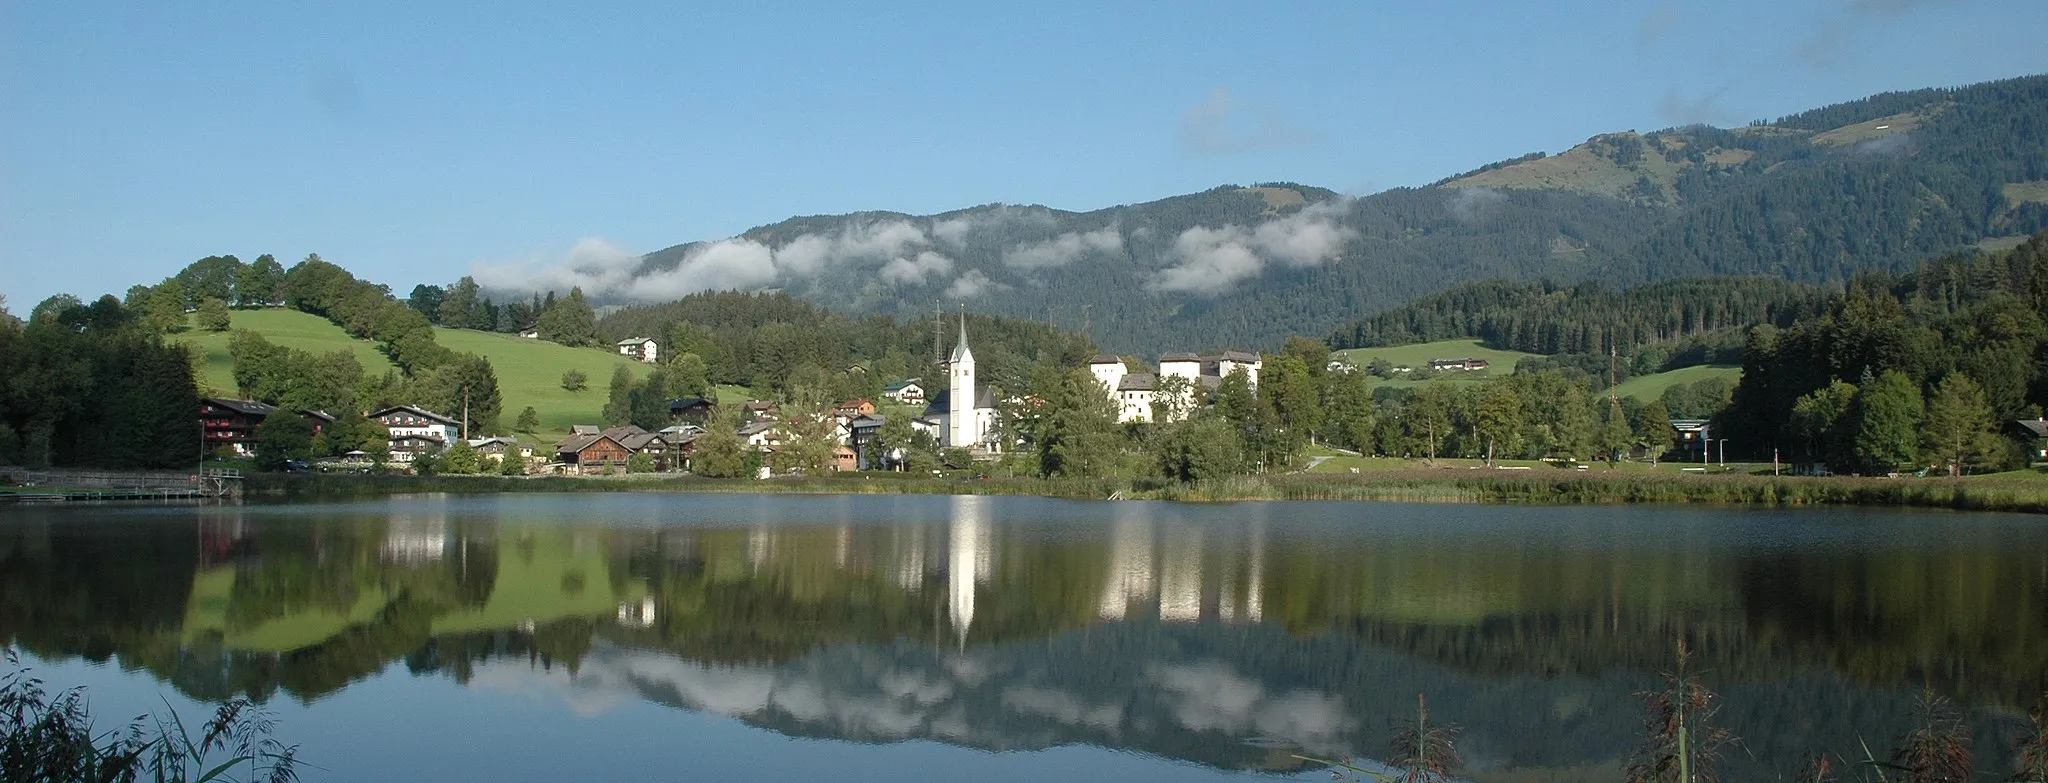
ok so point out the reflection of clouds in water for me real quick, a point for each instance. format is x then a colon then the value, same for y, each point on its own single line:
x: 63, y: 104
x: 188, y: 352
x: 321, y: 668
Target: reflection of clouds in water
x: 962, y: 698
x: 1062, y: 706
x: 1212, y: 696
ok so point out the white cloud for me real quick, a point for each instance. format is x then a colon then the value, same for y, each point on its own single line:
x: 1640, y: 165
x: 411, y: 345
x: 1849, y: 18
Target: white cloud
x: 954, y: 231
x: 1468, y: 205
x: 1209, y: 261
x: 596, y: 265
x: 1063, y: 249
x: 914, y: 270
x: 1221, y: 125
x: 971, y: 284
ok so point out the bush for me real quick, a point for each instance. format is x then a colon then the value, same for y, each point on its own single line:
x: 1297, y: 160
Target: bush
x: 50, y: 738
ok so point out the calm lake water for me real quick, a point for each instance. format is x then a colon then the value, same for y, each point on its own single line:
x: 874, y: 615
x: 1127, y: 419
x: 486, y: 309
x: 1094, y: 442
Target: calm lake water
x: 783, y: 638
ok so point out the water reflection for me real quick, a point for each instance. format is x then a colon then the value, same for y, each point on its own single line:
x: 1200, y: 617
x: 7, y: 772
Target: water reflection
x: 1229, y: 635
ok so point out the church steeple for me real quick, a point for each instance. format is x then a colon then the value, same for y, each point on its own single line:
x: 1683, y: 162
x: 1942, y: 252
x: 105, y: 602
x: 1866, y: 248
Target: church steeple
x: 963, y: 429
x: 960, y: 352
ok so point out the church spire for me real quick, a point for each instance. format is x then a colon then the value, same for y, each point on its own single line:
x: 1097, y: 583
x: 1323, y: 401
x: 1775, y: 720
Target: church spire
x: 960, y: 352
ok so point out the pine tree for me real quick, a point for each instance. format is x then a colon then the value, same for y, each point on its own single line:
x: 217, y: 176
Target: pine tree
x: 1958, y: 432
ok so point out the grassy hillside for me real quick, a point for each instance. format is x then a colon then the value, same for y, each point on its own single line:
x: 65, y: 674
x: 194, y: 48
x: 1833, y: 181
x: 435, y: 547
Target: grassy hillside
x: 1419, y: 355
x: 1650, y: 387
x: 530, y: 373
x: 288, y: 328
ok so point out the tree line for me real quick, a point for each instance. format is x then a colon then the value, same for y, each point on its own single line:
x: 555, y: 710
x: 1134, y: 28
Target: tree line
x: 1904, y: 370
x: 94, y: 385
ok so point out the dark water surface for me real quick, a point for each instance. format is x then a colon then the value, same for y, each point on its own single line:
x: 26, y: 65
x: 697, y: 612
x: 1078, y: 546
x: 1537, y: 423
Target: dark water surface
x: 739, y: 637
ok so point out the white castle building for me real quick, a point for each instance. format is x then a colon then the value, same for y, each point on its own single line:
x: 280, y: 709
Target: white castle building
x: 1134, y: 392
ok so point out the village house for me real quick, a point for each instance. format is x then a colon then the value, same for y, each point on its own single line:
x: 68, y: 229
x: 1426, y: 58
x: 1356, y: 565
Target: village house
x: 641, y: 349
x: 2034, y: 432
x: 690, y: 409
x: 853, y: 409
x: 908, y: 392
x: 591, y: 454
x: 1457, y: 365
x: 861, y: 432
x: 416, y: 430
x: 495, y: 448
x: 227, y: 424
x: 760, y: 410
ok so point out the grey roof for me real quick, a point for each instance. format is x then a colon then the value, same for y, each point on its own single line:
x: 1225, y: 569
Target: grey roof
x: 422, y: 412
x: 584, y: 429
x: 984, y: 397
x: 756, y: 428
x: 246, y: 407
x: 867, y: 420
x: 1106, y: 358
x: 902, y: 384
x: 632, y: 341
x: 1138, y: 381
x: 2036, y: 426
x: 319, y: 414
x: 1181, y: 356
x: 1239, y: 356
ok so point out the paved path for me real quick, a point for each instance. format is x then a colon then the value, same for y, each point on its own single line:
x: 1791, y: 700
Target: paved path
x: 1313, y: 462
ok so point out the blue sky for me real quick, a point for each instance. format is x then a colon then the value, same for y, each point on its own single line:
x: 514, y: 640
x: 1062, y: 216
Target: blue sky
x: 408, y: 141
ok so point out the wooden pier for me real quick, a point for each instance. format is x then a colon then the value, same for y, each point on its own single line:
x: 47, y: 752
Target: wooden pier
x: 56, y: 486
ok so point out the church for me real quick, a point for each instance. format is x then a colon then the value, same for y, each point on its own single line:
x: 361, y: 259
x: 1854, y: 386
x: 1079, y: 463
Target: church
x: 963, y: 415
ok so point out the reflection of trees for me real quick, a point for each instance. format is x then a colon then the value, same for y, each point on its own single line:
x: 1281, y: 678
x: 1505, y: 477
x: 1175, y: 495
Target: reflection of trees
x: 1555, y: 633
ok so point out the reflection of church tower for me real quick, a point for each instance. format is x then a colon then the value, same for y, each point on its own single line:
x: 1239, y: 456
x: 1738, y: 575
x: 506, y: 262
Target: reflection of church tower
x: 968, y: 559
x: 961, y: 418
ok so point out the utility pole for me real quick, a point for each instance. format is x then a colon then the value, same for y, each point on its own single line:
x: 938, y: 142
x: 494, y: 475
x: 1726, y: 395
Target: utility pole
x: 465, y: 413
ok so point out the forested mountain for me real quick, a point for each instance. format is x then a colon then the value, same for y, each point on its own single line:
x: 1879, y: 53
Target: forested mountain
x: 1588, y: 318
x: 1877, y: 183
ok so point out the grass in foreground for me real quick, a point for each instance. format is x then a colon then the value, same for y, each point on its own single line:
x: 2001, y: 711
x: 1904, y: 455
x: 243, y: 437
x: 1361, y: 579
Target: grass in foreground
x: 51, y: 738
x: 1429, y: 486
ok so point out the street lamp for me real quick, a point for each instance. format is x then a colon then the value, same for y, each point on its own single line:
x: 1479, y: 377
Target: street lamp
x: 1724, y: 453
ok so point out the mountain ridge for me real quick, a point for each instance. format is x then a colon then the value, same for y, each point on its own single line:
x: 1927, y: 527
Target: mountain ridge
x: 1875, y: 183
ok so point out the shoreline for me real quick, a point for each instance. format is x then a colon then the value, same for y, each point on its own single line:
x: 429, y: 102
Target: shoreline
x: 2001, y: 494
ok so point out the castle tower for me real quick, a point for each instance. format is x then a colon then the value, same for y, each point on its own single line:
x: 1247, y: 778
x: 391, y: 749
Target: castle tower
x: 961, y: 419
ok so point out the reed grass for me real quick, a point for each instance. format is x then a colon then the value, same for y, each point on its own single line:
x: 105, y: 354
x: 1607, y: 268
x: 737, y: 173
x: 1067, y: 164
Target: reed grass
x: 1994, y: 493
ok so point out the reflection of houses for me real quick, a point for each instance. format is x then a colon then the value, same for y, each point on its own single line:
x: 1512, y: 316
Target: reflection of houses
x: 231, y: 424
x: 637, y: 615
x: 1176, y: 571
x: 638, y: 348
x: 416, y: 539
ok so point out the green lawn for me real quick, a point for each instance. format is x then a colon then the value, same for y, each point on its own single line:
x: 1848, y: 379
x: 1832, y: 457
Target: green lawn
x: 530, y: 373
x: 289, y: 328
x: 1650, y: 387
x: 1418, y: 355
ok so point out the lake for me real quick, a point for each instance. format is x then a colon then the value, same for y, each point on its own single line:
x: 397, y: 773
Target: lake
x: 761, y: 637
